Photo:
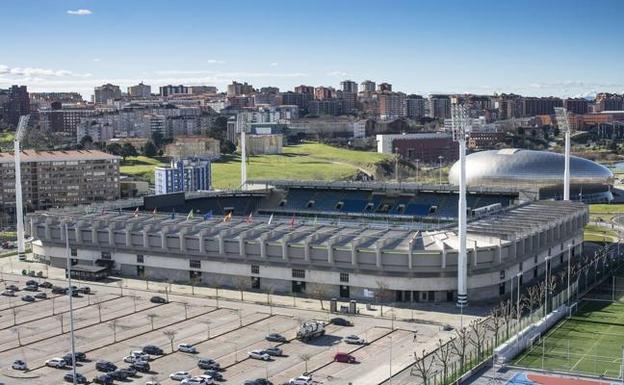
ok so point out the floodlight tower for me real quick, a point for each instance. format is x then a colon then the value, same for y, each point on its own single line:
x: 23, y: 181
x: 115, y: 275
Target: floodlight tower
x: 243, y: 159
x: 564, y: 125
x: 461, y: 129
x: 19, y: 210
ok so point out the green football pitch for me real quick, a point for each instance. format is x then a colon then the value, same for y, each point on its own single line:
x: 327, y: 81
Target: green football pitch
x: 589, y: 342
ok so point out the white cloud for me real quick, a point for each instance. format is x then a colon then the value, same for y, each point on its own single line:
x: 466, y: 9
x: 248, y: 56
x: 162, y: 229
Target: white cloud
x: 274, y: 64
x: 29, y: 72
x: 338, y: 73
x: 96, y: 60
x: 79, y: 12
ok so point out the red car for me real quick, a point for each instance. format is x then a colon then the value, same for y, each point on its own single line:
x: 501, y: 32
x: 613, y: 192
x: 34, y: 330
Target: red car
x: 344, y: 357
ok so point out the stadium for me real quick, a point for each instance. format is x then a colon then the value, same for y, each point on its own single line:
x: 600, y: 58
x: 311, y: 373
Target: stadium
x: 350, y: 240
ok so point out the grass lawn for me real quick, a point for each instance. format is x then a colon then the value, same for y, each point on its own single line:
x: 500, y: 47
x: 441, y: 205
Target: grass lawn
x: 304, y: 161
x: 6, y: 137
x: 603, y: 208
x: 589, y: 342
x: 595, y: 233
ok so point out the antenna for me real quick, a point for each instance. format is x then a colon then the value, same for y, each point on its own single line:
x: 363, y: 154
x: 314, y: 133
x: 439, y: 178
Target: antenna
x: 460, y: 123
x: 564, y: 125
x: 19, y: 209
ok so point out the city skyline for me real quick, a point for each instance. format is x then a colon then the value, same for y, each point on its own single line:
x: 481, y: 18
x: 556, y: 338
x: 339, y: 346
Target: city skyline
x: 525, y: 47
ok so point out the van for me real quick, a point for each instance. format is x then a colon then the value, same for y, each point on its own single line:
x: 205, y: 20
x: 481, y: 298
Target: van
x: 344, y: 357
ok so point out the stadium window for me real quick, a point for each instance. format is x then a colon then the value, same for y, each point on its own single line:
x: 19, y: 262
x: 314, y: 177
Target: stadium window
x: 195, y: 263
x: 535, y: 272
x: 535, y: 259
x: 140, y: 258
x: 344, y: 277
x: 255, y: 282
x: 106, y: 255
x: 298, y: 273
x: 431, y: 296
x: 339, y: 205
x: 501, y: 289
x: 502, y: 274
x: 520, y: 266
x: 561, y: 258
x: 255, y: 269
x: 74, y: 252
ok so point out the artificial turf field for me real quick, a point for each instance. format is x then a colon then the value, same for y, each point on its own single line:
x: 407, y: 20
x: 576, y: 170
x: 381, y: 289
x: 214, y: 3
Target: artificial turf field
x: 589, y: 342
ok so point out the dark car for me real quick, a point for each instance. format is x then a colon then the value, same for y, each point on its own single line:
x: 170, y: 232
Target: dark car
x: 80, y: 379
x: 31, y: 288
x: 258, y: 381
x: 59, y: 290
x: 84, y: 290
x: 208, y: 363
x: 157, y: 299
x: 12, y: 287
x: 80, y: 356
x: 340, y: 322
x: 68, y: 359
x: 41, y: 295
x: 274, y: 351
x: 32, y: 282
x: 103, y: 379
x: 214, y: 374
x: 153, y: 350
x: 105, y: 366
x: 140, y: 366
x: 46, y: 285
x: 28, y: 298
x: 119, y: 375
x: 275, y: 337
x: 130, y: 371
x: 344, y: 357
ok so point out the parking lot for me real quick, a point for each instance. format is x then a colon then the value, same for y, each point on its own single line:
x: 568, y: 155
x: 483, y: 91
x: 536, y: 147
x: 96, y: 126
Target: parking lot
x: 111, y: 322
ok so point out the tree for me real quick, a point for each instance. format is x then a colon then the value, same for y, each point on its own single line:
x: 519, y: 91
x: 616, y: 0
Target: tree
x: 532, y: 297
x: 98, y: 306
x: 240, y: 283
x: 319, y: 291
x: 422, y: 367
x: 60, y: 318
x: 443, y: 355
x: 112, y: 324
x: 477, y: 336
x: 216, y: 283
x: 382, y: 295
x: 128, y: 150
x: 186, y: 307
x: 151, y: 317
x: 114, y: 148
x: 460, y: 344
x: 496, y: 321
x: 157, y: 139
x: 170, y: 334
x: 86, y: 142
x: 149, y: 149
x: 227, y: 147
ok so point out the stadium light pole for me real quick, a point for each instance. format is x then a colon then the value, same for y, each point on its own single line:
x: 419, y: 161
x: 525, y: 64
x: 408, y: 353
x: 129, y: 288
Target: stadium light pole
x: 570, y: 246
x: 461, y: 128
x: 71, y: 308
x: 440, y: 168
x: 546, y: 263
x: 243, y: 159
x: 417, y: 170
x: 564, y: 125
x: 19, y: 209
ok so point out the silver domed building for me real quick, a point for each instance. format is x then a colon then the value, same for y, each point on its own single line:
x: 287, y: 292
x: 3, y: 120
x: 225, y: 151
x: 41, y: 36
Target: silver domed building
x: 536, y: 170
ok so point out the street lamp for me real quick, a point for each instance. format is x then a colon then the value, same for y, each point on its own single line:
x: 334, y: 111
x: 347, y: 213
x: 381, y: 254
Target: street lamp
x: 440, y: 168
x: 417, y: 170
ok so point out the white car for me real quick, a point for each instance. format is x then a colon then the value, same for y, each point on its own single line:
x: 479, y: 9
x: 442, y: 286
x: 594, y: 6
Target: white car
x: 193, y: 381
x: 8, y: 293
x: 355, y: 340
x: 179, y: 376
x: 207, y: 379
x: 141, y: 356
x: 301, y: 380
x: 152, y: 383
x: 259, y: 355
x: 56, y: 362
x: 187, y: 348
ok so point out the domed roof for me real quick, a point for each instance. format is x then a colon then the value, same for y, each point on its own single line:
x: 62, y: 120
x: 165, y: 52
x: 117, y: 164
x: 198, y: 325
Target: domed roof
x: 517, y: 167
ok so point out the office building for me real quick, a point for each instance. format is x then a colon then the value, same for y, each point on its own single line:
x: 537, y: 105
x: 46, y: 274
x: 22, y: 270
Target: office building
x: 16, y: 103
x: 239, y: 89
x: 367, y: 86
x: 170, y: 90
x: 140, y: 91
x: 415, y: 106
x: 439, y: 106
x: 189, y: 174
x: 541, y: 106
x: 391, y: 105
x: 308, y: 90
x: 106, y: 94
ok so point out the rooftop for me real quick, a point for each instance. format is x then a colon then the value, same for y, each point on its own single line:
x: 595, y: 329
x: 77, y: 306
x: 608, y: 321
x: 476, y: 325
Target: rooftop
x: 56, y: 156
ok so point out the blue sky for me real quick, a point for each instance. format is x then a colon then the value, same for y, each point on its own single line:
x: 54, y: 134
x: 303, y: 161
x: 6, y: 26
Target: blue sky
x: 545, y: 47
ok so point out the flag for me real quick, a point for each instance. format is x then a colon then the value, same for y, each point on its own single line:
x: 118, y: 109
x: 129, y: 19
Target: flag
x: 190, y: 215
x: 292, y: 221
x: 249, y: 219
x: 227, y: 217
x: 136, y: 212
x: 154, y: 212
x: 270, y: 219
x: 208, y: 215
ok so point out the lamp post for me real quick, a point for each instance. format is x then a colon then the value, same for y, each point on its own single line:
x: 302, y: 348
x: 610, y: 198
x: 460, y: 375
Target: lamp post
x: 570, y: 246
x: 417, y: 170
x: 564, y: 126
x: 440, y: 167
x: 518, y: 312
x: 71, y: 309
x: 546, y: 268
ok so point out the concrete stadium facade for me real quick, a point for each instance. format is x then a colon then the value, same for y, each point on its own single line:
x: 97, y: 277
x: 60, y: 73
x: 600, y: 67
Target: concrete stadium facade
x: 355, y: 262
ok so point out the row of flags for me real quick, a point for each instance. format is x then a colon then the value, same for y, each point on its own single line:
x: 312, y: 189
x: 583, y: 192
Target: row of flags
x: 226, y: 218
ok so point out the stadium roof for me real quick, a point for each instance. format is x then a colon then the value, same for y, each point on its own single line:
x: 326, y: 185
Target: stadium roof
x: 56, y: 156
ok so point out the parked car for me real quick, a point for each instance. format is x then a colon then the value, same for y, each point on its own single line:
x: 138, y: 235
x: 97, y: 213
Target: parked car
x: 104, y: 379
x: 215, y: 374
x: 157, y: 299
x: 119, y: 375
x: 141, y: 366
x: 12, y: 287
x: 193, y: 381
x: 179, y: 376
x: 208, y: 363
x: 59, y: 290
x: 41, y: 295
x: 208, y: 380
x: 46, y: 285
x: 153, y: 350
x: 84, y: 290
x: 262, y: 381
x: 138, y: 354
x: 130, y: 371
x: 55, y: 362
x: 32, y: 282
x: 344, y: 357
x: 8, y: 293
x: 31, y: 288
x: 80, y: 356
x: 274, y: 351
x: 105, y: 366
x: 301, y: 380
x: 80, y: 379
x: 259, y: 355
x: 354, y: 340
x: 187, y: 348
x: 28, y: 298
x: 340, y: 322
x: 19, y: 365
x: 152, y: 383
x: 68, y: 359
x: 275, y: 337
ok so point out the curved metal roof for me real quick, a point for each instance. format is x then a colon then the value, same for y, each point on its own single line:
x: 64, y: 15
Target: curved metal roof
x: 517, y: 167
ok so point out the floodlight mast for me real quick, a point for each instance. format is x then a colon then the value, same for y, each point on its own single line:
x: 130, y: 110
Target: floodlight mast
x: 461, y: 129
x: 19, y: 209
x: 564, y: 125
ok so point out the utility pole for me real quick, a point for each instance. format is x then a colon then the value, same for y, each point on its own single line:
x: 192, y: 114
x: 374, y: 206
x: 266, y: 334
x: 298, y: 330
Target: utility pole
x: 19, y: 209
x: 564, y: 125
